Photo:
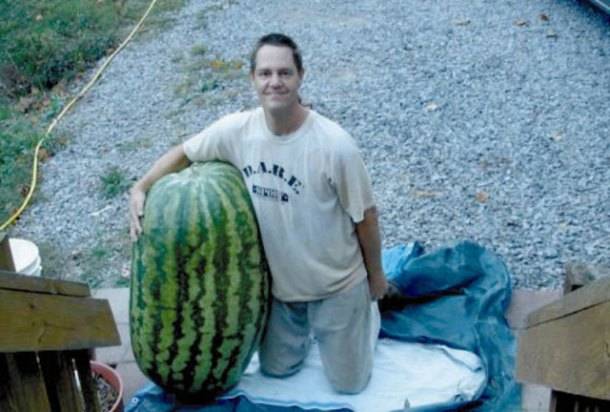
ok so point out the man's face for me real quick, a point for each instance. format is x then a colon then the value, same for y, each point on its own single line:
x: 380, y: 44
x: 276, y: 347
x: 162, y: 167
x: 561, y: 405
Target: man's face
x: 276, y: 78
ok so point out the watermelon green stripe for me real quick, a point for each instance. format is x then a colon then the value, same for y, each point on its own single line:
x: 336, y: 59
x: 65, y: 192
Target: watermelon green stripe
x: 243, y: 231
x: 197, y: 266
x: 150, y: 283
x: 190, y: 293
x: 223, y: 301
x: 207, y: 307
x: 182, y: 311
x: 231, y: 330
x: 169, y: 292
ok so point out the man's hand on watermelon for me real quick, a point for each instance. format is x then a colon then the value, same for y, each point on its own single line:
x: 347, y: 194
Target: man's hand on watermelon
x: 136, y: 211
x: 173, y: 161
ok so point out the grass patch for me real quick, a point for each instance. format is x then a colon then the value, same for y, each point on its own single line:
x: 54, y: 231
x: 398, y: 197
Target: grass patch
x: 114, y: 182
x: 158, y: 19
x: 203, y: 74
x: 18, y: 138
x: 43, y: 45
x: 199, y: 50
x: 103, y: 263
x: 46, y: 41
x: 94, y: 260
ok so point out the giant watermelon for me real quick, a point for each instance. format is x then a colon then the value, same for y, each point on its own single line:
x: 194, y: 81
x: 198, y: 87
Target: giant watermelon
x: 199, y: 282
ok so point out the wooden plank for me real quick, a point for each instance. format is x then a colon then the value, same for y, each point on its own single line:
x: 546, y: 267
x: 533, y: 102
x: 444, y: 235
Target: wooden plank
x: 88, y: 385
x: 59, y: 374
x: 15, y: 281
x: 569, y: 354
x: 47, y: 322
x: 561, y: 401
x: 6, y: 259
x: 7, y: 399
x: 590, y: 295
x: 25, y: 384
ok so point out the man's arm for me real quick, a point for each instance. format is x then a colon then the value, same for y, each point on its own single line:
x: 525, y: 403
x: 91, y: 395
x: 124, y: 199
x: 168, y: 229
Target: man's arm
x: 370, y: 243
x: 172, y: 161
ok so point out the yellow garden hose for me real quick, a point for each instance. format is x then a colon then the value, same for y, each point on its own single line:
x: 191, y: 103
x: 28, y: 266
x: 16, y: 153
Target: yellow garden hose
x: 64, y: 111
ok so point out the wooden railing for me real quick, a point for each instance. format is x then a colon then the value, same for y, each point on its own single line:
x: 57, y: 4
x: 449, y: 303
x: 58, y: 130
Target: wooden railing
x: 566, y: 346
x: 48, y: 329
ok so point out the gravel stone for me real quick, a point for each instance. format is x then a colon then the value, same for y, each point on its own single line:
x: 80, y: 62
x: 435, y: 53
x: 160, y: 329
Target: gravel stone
x: 477, y: 120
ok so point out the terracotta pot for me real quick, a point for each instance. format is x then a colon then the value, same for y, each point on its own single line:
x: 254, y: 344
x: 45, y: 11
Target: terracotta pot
x: 114, y: 379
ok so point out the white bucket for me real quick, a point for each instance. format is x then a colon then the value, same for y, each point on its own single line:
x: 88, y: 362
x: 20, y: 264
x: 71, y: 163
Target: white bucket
x: 25, y: 257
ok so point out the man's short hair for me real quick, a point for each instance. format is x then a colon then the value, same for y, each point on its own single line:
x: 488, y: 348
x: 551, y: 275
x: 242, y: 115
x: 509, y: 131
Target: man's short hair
x: 281, y: 40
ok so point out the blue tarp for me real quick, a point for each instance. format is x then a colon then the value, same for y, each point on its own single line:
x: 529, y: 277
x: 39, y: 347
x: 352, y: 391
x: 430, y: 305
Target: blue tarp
x: 457, y: 297
x: 460, y: 295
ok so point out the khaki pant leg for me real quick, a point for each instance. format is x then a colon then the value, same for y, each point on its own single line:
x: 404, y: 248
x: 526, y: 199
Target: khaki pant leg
x: 347, y: 326
x: 286, y: 340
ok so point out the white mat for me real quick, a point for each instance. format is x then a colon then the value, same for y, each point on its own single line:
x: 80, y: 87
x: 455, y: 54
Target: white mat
x: 423, y: 374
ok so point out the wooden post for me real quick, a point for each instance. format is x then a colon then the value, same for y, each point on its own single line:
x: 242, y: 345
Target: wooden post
x: 90, y: 394
x: 25, y: 386
x: 6, y: 258
x: 7, y: 400
x: 58, y: 370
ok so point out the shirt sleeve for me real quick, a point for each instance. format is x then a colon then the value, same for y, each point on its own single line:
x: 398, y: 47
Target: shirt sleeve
x: 352, y: 181
x: 216, y: 142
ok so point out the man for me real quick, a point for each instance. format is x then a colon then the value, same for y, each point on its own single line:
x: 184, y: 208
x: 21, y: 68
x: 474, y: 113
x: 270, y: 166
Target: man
x: 314, y: 204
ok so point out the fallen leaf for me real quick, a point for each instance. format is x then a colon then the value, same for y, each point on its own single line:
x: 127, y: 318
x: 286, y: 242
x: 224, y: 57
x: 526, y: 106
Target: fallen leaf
x: 217, y: 64
x: 484, y: 164
x: 60, y: 88
x: 521, y: 23
x: 430, y: 107
x: 14, y: 212
x: 24, y: 190
x: 544, y: 17
x: 463, y: 22
x: 426, y: 194
x: 100, y: 211
x: 38, y: 17
x: 25, y: 103
x: 482, y: 197
x: 43, y: 154
x: 557, y: 136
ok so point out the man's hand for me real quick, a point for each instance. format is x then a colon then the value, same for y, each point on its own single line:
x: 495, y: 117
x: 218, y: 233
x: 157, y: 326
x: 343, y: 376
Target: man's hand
x: 378, y: 285
x: 172, y: 161
x: 136, y: 211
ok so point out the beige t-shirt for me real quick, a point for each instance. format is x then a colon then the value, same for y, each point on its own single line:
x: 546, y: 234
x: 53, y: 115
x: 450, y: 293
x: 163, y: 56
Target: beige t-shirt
x: 308, y: 189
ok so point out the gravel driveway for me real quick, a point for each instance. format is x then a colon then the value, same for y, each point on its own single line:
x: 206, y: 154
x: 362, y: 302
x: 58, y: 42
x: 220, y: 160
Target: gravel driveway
x: 482, y: 120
